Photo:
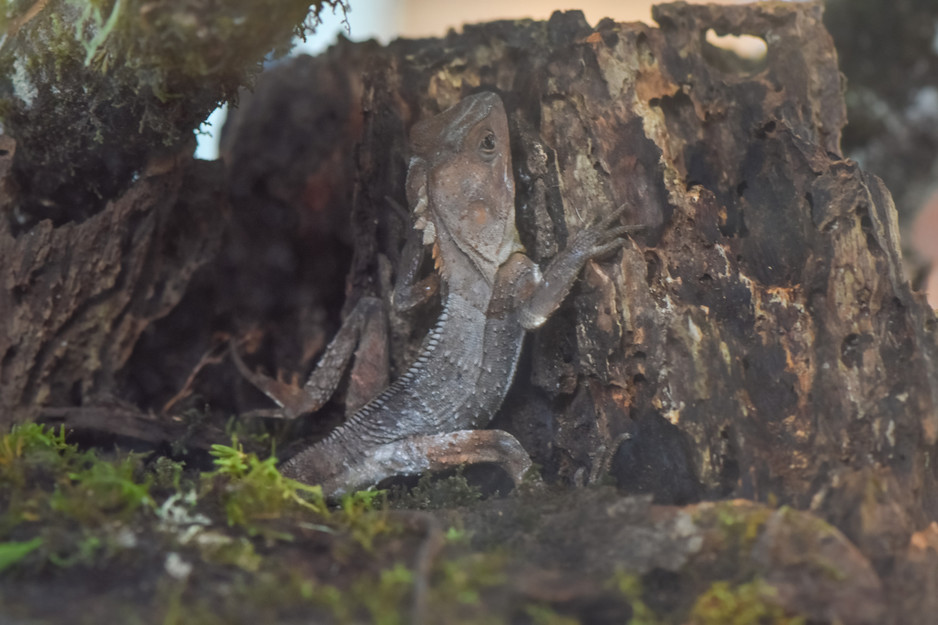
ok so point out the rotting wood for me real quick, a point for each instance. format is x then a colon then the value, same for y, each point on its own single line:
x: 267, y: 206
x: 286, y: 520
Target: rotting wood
x: 760, y: 339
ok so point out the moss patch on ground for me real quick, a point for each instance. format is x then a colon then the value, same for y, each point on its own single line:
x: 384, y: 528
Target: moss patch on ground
x: 153, y: 540
x: 239, y: 544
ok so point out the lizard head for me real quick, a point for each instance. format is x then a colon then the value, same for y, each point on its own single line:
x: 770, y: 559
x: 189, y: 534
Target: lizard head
x: 460, y: 186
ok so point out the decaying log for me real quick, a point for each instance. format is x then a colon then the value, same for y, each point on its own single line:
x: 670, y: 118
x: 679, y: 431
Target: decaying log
x: 77, y: 297
x: 679, y: 552
x: 759, y: 338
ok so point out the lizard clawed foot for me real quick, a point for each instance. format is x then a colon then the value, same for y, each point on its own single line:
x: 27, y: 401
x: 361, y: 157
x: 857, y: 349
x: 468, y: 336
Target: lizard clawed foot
x: 607, y: 220
x: 445, y: 451
x: 605, y: 224
x: 364, y: 335
x: 292, y: 399
x: 618, y: 239
x: 603, y: 237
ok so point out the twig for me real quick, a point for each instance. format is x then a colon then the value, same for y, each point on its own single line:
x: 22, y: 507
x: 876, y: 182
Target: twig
x: 186, y: 390
x: 130, y: 422
x: 426, y: 555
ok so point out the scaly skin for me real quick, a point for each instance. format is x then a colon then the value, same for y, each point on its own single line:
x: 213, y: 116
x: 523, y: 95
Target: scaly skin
x: 461, y: 189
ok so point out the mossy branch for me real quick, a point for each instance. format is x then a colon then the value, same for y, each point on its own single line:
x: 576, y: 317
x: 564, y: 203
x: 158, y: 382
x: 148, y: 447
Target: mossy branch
x: 91, y: 89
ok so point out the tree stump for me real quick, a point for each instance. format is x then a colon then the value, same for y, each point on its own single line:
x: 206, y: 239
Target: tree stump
x: 758, y: 339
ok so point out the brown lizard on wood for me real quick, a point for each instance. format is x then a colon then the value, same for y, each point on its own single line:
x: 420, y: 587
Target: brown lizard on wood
x: 460, y: 187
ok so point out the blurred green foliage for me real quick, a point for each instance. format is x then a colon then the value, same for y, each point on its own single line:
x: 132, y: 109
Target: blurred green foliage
x: 91, y: 88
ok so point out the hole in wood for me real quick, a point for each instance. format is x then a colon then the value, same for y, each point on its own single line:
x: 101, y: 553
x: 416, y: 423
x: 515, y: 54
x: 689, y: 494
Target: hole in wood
x: 735, y: 54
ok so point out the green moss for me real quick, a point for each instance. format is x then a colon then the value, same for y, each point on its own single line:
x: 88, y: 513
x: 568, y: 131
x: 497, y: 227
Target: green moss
x: 382, y: 597
x: 253, y: 491
x: 228, y: 551
x: 722, y: 603
x: 14, y: 551
x: 92, y: 88
x: 255, y: 495
x: 29, y: 446
x: 161, y: 50
x: 167, y: 474
x: 630, y: 586
x: 457, y: 536
x: 82, y: 552
x: 432, y: 493
x: 364, y: 516
x: 462, y: 580
x: 453, y: 592
x: 739, y: 523
x: 99, y: 28
x: 71, y: 506
x: 35, y: 459
x: 541, y: 614
x: 103, y: 491
x: 81, y: 510
x: 751, y: 603
x: 385, y: 600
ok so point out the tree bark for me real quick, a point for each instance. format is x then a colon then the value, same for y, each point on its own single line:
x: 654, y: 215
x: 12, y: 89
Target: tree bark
x: 758, y: 339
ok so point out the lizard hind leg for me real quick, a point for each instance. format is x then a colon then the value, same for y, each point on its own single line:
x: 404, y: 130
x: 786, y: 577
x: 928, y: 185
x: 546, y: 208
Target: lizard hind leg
x: 364, y: 334
x: 446, y: 451
x: 431, y: 453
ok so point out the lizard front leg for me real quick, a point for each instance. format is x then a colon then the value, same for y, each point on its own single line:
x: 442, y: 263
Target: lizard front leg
x: 411, y: 291
x: 594, y: 241
x: 364, y: 328
x: 364, y: 334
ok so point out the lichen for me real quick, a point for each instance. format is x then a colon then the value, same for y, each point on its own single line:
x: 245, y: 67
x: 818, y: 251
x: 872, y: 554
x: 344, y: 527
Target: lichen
x: 739, y: 522
x: 744, y: 604
x: 23, y: 87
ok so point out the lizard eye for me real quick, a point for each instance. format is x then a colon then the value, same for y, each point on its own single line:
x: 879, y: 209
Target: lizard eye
x: 488, y: 143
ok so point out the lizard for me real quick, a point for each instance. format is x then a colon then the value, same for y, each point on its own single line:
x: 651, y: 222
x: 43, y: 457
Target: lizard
x: 460, y: 188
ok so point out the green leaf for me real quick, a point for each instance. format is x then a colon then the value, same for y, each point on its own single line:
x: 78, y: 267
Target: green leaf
x: 13, y: 552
